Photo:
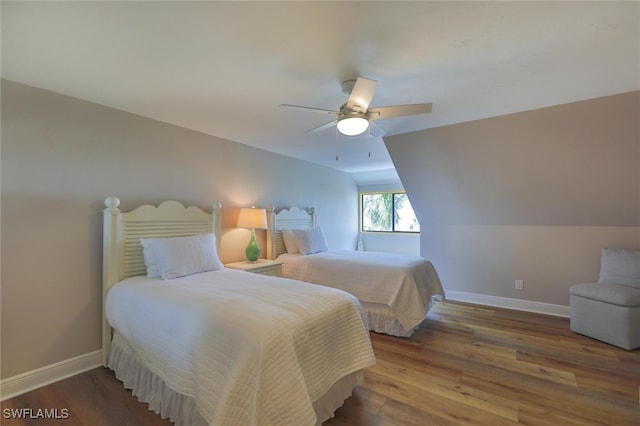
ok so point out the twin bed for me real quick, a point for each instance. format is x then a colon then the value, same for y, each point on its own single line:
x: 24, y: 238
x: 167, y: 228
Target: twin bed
x: 395, y: 291
x: 203, y: 344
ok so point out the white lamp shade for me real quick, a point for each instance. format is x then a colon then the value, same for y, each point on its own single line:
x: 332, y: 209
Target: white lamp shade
x: 352, y: 126
x: 252, y: 218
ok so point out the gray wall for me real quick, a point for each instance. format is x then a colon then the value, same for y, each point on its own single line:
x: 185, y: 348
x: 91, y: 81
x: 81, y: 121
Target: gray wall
x: 532, y: 196
x: 61, y: 157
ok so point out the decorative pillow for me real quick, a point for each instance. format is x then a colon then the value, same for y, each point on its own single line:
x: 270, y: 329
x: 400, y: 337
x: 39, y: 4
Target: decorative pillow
x: 175, y: 257
x: 310, y: 241
x: 289, y: 241
x: 620, y: 266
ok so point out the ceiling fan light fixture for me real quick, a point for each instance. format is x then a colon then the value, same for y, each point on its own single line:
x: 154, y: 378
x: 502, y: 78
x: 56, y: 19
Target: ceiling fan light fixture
x: 353, y: 125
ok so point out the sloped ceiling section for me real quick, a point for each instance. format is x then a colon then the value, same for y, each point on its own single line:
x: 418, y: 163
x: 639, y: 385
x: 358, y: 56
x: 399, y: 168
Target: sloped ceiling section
x: 223, y: 68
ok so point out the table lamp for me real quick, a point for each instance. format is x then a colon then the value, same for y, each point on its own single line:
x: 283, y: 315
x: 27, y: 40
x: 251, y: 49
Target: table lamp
x: 252, y: 219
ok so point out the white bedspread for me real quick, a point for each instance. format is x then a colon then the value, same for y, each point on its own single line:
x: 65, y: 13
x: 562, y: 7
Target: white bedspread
x: 250, y: 349
x: 404, y: 283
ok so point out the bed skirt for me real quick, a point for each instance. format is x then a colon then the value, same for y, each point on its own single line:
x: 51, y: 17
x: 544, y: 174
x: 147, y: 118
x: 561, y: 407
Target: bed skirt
x: 181, y: 409
x: 382, y: 320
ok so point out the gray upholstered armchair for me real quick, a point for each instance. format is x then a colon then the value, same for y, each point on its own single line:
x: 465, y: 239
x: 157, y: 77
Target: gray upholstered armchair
x: 609, y: 310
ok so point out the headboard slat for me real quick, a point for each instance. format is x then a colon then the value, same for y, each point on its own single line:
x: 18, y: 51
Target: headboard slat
x: 133, y: 230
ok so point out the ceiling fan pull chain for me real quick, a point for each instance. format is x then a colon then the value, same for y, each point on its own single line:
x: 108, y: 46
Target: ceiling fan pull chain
x: 337, y: 144
x: 369, y: 139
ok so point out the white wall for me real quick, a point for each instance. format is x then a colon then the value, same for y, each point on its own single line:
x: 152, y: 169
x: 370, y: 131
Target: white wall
x: 396, y: 243
x: 61, y: 157
x: 532, y: 196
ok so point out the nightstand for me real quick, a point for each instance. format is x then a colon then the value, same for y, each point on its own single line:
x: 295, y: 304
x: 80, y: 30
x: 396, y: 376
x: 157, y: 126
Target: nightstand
x: 261, y: 266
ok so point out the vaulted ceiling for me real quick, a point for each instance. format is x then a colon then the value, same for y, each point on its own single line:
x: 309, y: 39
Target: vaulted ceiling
x: 224, y: 68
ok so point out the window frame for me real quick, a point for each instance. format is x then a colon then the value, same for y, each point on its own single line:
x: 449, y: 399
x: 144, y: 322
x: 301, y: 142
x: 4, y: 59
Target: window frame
x: 393, y: 214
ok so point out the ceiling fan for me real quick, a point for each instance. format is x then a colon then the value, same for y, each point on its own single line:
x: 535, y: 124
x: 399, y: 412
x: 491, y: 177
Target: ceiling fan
x: 355, y: 116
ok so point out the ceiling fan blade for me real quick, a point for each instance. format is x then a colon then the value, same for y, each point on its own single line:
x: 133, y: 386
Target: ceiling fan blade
x: 322, y: 127
x: 380, y: 113
x: 312, y: 109
x: 361, y: 94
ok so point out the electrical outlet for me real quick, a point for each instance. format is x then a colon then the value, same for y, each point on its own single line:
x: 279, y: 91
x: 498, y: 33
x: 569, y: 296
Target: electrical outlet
x: 519, y: 285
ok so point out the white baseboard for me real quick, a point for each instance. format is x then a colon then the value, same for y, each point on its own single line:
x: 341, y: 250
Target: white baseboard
x: 504, y: 302
x: 43, y: 376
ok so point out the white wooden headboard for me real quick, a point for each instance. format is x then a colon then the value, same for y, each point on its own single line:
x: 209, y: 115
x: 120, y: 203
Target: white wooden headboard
x: 293, y: 218
x: 122, y: 253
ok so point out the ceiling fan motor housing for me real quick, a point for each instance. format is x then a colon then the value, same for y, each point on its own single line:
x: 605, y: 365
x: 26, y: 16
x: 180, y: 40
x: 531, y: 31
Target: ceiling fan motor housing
x: 347, y: 86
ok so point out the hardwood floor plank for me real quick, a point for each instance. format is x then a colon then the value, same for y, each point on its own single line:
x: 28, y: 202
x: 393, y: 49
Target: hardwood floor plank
x: 419, y: 363
x: 355, y: 417
x: 92, y: 403
x: 138, y: 409
x: 446, y: 389
x: 506, y: 358
x: 397, y: 413
x: 445, y: 409
x: 360, y: 409
x: 564, y: 402
x: 542, y: 416
x: 53, y: 405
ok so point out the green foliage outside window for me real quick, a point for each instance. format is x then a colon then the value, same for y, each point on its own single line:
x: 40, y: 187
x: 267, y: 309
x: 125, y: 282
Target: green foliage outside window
x: 387, y: 212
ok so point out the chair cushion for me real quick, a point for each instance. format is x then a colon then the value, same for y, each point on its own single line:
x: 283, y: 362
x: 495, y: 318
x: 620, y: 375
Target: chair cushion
x: 620, y: 266
x: 608, y: 293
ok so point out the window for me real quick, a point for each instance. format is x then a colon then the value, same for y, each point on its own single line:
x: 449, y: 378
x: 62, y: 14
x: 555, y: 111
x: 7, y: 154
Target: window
x: 387, y: 212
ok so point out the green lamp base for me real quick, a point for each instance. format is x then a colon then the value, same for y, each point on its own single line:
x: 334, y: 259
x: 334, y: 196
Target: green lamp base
x: 253, y: 249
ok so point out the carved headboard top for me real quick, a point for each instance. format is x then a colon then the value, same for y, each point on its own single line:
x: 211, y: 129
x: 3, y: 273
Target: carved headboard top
x: 292, y: 218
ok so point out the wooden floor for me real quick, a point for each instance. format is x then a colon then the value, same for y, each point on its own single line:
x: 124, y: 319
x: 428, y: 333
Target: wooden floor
x: 465, y: 365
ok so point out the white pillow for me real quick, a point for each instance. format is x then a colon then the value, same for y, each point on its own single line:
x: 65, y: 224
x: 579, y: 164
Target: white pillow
x: 149, y: 260
x: 289, y: 241
x: 175, y: 257
x: 310, y: 241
